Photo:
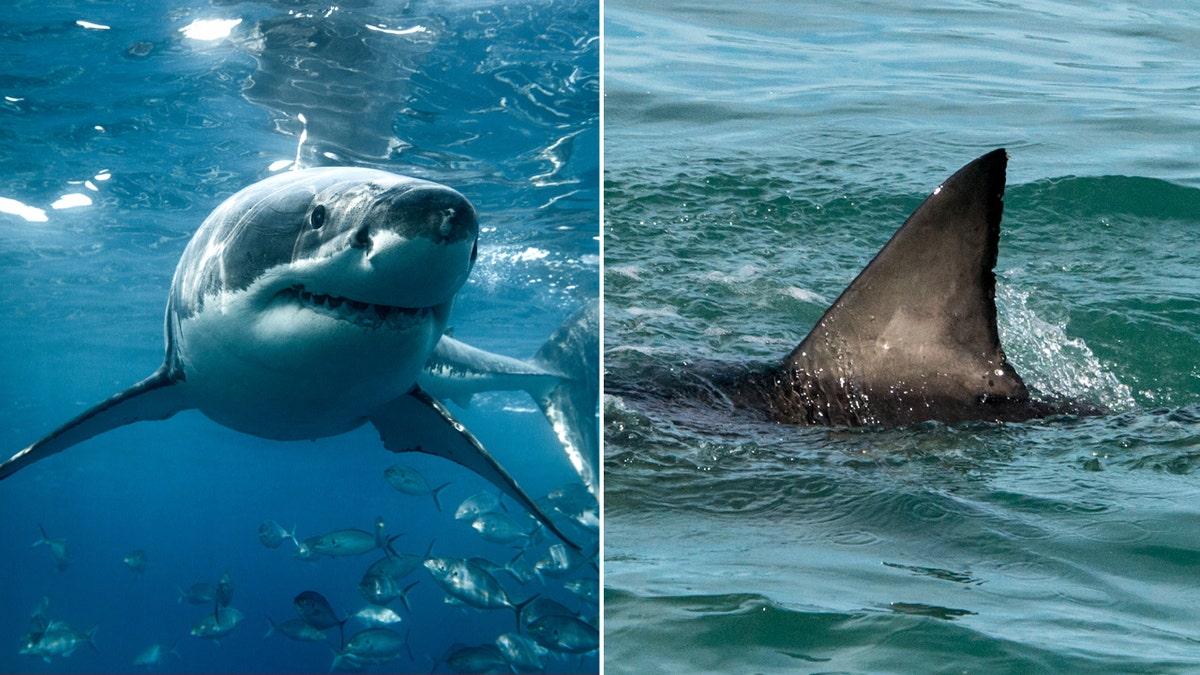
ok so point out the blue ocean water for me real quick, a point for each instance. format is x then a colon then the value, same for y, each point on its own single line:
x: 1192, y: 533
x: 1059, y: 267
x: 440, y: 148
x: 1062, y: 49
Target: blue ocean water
x: 123, y: 125
x: 756, y: 157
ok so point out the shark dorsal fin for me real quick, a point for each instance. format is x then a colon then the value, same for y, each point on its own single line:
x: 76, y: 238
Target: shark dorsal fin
x: 915, y: 332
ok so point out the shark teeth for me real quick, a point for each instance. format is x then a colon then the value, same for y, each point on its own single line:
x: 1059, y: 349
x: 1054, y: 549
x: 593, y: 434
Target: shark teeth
x: 354, y: 311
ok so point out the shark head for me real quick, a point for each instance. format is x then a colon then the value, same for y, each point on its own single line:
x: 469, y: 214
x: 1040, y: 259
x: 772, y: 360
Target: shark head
x: 342, y: 279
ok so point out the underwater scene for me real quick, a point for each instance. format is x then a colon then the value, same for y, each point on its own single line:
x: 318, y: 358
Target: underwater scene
x: 185, y: 545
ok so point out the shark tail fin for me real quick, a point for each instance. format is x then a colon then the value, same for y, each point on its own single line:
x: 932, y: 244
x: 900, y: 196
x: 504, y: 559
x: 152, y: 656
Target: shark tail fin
x: 154, y: 398
x: 571, y: 405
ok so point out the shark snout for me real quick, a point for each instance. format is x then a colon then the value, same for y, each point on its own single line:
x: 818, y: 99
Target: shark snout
x: 433, y: 212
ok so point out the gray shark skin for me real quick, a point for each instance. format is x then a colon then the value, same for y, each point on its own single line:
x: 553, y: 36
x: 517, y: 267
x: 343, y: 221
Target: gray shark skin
x: 912, y: 339
x: 563, y: 378
x: 307, y: 305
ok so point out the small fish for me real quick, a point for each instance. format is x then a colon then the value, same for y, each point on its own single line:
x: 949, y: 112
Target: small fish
x: 410, y: 481
x: 567, y: 634
x: 42, y: 606
x: 303, y: 552
x: 217, y: 624
x: 315, y: 609
x: 38, y: 623
x: 57, y: 546
x: 296, y: 629
x: 469, y: 582
x: 381, y: 583
x: 341, y: 543
x: 588, y: 590
x: 154, y: 656
x: 381, y: 590
x: 499, y: 528
x: 559, y: 561
x: 476, y: 505
x: 224, y: 593
x: 373, y: 646
x: 199, y: 593
x: 59, y: 640
x: 576, y: 502
x: 541, y: 607
x: 523, y: 654
x: 374, y: 615
x: 479, y: 659
x: 272, y: 534
x: 136, y: 562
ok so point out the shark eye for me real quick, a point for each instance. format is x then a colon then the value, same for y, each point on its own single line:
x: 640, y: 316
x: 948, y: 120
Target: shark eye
x: 317, y: 219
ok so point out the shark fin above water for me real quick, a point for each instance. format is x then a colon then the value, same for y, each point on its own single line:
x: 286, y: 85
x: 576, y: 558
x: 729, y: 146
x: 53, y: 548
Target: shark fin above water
x: 913, y: 338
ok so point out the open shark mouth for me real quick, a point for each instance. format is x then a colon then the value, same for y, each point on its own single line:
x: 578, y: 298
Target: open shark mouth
x: 365, y: 314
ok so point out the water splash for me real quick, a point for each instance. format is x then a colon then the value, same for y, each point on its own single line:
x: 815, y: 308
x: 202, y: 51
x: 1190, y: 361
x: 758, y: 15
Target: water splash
x: 1049, y: 361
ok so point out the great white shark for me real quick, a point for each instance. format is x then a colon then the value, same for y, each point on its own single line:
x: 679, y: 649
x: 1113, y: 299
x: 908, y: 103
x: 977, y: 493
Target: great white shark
x: 913, y: 338
x: 316, y: 301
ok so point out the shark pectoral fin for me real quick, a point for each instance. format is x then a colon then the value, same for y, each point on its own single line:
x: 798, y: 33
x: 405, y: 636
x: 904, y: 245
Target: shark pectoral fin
x: 914, y: 336
x: 572, y: 405
x: 419, y: 423
x: 155, y: 398
x: 563, y: 378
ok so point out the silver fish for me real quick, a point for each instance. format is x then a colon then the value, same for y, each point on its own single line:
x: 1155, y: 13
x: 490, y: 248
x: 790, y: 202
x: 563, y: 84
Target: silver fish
x: 38, y: 623
x: 224, y: 593
x: 469, y: 582
x: 374, y: 615
x: 499, y: 528
x: 272, y: 534
x: 57, y: 546
x: 477, y: 504
x: 588, y: 590
x: 199, y: 593
x: 217, y: 624
x: 136, y: 561
x: 154, y: 656
x: 296, y: 629
x: 372, y: 646
x: 341, y: 543
x: 567, y: 634
x: 315, y: 609
x: 576, y: 502
x: 522, y: 653
x: 559, y: 561
x: 59, y: 640
x: 540, y: 607
x: 410, y: 481
x: 382, y: 589
x: 479, y: 659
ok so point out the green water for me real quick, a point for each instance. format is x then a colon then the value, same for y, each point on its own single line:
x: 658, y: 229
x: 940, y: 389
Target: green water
x: 755, y: 159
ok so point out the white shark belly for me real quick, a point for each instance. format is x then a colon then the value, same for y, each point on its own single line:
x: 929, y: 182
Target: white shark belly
x: 241, y: 371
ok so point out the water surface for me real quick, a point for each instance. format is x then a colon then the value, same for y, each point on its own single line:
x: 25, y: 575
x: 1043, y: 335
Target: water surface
x: 756, y: 158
